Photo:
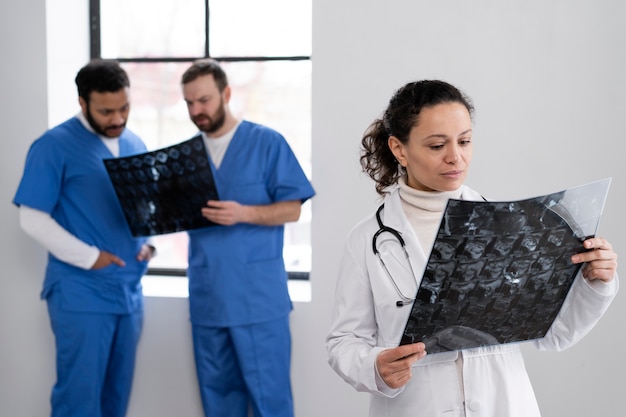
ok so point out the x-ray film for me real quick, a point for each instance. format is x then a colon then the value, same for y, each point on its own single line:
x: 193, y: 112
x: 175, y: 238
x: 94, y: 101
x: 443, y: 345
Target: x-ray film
x: 499, y: 272
x: 163, y: 191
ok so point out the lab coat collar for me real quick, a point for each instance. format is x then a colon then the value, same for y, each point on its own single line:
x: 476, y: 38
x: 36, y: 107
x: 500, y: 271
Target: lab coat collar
x: 393, y: 214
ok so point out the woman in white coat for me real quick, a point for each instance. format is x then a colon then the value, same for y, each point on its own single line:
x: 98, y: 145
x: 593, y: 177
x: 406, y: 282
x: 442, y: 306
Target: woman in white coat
x: 419, y: 154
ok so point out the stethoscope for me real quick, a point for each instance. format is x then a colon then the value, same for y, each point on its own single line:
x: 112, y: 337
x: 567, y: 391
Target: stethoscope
x: 404, y: 300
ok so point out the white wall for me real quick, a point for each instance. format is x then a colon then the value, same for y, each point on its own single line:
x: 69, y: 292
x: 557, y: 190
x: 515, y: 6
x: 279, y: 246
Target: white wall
x: 549, y: 83
x: 25, y: 340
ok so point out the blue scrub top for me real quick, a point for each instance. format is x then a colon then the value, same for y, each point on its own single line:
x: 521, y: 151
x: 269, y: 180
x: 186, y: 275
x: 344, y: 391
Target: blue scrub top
x: 236, y: 273
x: 64, y: 176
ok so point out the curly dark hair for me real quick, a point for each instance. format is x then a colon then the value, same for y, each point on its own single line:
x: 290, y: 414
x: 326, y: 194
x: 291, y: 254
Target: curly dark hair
x: 401, y: 115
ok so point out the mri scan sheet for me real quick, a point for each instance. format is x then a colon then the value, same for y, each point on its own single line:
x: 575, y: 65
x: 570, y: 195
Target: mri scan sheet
x: 499, y: 272
x: 163, y: 191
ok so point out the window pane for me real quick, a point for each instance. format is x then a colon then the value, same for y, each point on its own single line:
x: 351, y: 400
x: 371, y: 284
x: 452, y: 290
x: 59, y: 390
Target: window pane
x: 158, y: 112
x: 260, y: 28
x: 171, y: 251
x: 148, y: 28
x: 273, y: 93
x: 276, y: 94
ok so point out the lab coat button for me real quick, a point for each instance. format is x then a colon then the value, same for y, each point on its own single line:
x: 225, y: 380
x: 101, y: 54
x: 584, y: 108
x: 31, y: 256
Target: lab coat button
x: 474, y: 405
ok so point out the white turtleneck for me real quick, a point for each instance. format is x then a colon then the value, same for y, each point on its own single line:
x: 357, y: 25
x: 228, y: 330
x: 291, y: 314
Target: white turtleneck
x: 424, y: 210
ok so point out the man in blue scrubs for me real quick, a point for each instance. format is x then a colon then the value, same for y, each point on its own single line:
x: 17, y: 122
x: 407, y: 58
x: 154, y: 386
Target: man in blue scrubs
x: 239, y: 300
x: 92, y: 281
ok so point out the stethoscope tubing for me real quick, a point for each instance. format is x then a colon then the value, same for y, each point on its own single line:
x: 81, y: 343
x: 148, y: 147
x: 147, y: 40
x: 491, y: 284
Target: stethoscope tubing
x: 382, y: 229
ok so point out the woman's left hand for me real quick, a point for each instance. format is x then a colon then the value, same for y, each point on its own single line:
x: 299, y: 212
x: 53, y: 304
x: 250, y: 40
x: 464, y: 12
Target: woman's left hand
x: 600, y: 260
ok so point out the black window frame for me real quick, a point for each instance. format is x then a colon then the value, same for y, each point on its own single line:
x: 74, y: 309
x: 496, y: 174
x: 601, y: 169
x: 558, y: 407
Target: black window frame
x: 95, y: 52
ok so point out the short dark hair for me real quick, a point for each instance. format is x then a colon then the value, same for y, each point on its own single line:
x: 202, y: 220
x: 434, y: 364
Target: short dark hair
x: 206, y: 66
x: 101, y: 75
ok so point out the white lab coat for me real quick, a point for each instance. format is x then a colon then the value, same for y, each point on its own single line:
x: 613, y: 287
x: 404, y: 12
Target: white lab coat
x: 366, y: 321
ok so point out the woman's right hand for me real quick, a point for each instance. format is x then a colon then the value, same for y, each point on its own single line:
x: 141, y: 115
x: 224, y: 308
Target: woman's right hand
x: 394, y: 365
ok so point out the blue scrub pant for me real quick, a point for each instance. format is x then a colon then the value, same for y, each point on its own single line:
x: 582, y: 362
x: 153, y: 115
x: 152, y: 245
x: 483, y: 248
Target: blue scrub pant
x: 95, y: 361
x: 245, y: 367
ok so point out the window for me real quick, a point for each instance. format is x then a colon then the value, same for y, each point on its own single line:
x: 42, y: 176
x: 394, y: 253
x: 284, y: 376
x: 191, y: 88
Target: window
x: 267, y: 56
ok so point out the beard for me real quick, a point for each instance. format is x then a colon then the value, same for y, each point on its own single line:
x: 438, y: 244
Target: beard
x: 211, y: 123
x: 102, y: 130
